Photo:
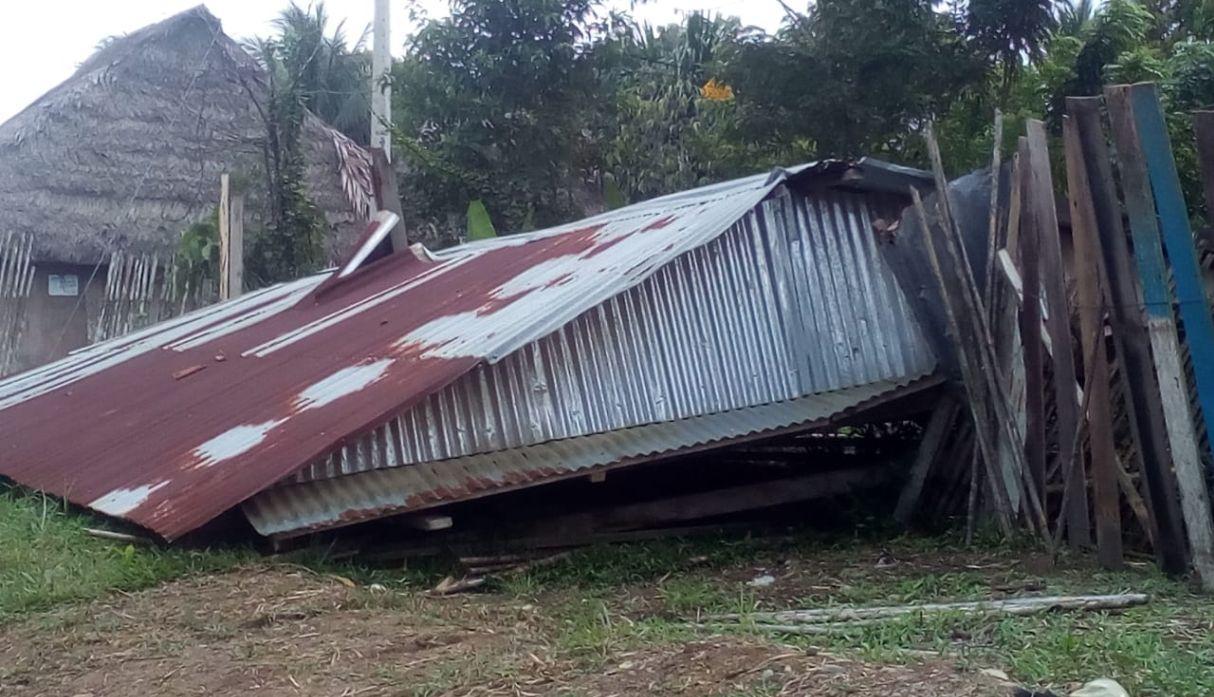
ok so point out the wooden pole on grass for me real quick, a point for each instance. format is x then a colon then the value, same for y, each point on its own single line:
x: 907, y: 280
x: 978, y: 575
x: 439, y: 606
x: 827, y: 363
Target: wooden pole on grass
x: 1161, y: 327
x: 1091, y: 319
x: 1053, y: 278
x: 1030, y: 331
x: 1147, y: 425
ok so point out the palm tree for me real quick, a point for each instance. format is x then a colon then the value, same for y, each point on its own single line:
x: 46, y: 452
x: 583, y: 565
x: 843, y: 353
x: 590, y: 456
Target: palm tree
x: 332, y: 77
x: 1074, y: 16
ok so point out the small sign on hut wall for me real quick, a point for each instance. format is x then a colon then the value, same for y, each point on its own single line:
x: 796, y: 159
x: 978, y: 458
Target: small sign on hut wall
x: 63, y: 285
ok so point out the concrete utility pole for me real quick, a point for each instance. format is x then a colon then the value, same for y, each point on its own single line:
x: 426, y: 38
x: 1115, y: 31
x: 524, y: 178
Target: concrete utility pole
x: 381, y: 92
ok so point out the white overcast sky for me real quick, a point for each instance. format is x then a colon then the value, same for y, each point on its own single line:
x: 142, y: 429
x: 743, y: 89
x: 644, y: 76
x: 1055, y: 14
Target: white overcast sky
x: 46, y: 39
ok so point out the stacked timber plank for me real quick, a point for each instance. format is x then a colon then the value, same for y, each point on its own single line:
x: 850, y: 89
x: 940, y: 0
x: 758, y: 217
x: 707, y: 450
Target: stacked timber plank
x: 1048, y: 375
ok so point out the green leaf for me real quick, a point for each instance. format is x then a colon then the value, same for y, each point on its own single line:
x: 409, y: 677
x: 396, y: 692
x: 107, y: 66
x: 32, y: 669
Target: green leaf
x: 480, y: 227
x: 614, y: 197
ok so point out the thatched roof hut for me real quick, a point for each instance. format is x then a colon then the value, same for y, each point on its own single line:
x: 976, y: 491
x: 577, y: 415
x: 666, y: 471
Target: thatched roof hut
x: 126, y: 153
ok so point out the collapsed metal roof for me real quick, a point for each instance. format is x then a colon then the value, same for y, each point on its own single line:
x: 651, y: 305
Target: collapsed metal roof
x: 299, y: 508
x: 174, y: 425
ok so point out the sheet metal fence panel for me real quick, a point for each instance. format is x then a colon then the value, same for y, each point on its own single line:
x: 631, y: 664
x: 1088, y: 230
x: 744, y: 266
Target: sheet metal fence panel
x: 792, y: 300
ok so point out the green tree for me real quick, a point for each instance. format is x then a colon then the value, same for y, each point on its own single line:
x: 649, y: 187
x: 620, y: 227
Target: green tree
x: 334, y: 75
x: 853, y: 77
x: 489, y: 104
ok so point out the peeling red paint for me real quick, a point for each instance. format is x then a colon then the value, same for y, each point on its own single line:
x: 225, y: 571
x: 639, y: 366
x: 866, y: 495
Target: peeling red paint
x: 660, y: 223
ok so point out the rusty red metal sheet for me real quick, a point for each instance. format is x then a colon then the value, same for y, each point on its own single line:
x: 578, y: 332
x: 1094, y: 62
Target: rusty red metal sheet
x: 172, y: 426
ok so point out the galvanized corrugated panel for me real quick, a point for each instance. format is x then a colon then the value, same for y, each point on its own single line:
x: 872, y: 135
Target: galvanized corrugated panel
x: 794, y: 299
x: 300, y: 508
x: 189, y: 418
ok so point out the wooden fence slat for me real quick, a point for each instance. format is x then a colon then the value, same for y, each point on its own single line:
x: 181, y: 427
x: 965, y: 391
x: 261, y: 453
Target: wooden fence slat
x: 1147, y: 426
x: 1157, y: 299
x: 1030, y: 332
x: 1178, y: 241
x: 1105, y: 498
x: 1053, y: 278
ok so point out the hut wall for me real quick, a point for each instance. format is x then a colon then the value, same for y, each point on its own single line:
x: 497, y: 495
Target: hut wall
x: 793, y: 300
x: 56, y: 314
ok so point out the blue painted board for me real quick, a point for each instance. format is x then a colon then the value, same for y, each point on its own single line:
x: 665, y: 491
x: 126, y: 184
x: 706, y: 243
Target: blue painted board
x: 1178, y: 240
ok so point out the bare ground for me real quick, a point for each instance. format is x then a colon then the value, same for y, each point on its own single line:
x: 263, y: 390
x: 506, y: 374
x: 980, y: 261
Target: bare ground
x: 278, y: 630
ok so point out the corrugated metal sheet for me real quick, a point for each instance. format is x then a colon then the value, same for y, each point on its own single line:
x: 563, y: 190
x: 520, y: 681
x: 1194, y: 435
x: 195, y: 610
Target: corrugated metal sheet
x: 189, y: 418
x: 301, y: 508
x: 794, y: 299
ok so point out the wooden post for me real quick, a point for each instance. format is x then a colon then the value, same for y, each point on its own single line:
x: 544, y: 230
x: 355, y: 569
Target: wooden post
x: 944, y: 415
x: 975, y: 383
x: 1161, y: 328
x: 1146, y: 420
x: 387, y: 197
x: 225, y: 237
x: 1030, y: 331
x: 236, y: 246
x: 974, y: 312
x: 1045, y: 222
x: 1178, y: 241
x: 1091, y: 319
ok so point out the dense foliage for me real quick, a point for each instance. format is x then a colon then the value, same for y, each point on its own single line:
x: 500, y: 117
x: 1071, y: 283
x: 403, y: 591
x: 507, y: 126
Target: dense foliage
x: 539, y: 111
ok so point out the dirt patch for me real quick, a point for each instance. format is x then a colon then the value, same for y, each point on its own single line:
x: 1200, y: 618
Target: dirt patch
x: 282, y: 631
x: 741, y: 667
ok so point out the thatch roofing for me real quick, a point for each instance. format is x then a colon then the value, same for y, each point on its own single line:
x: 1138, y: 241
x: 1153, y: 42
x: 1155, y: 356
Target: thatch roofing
x: 126, y: 153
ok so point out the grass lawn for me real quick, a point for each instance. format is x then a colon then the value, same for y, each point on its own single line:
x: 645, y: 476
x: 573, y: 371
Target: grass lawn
x: 587, y: 615
x: 46, y: 558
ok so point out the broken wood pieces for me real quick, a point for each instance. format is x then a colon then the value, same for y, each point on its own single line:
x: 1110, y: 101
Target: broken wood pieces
x: 844, y: 618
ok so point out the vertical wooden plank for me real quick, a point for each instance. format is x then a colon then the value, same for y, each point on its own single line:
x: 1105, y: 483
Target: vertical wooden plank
x: 1178, y: 241
x: 972, y: 312
x: 934, y: 435
x: 1147, y: 425
x: 225, y: 240
x: 1105, y: 498
x: 1030, y: 331
x: 236, y: 247
x: 979, y: 398
x: 1161, y: 325
x: 1053, y: 280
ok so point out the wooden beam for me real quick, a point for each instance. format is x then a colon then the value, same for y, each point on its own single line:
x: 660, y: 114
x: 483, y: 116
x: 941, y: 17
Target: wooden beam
x: 428, y: 523
x: 225, y: 238
x: 387, y: 197
x: 1147, y: 426
x: 1030, y: 332
x: 1091, y: 319
x: 1161, y: 326
x: 743, y: 498
x: 1053, y: 280
x: 236, y: 246
x: 1005, y: 425
x: 1178, y: 240
x: 975, y: 384
x: 938, y: 428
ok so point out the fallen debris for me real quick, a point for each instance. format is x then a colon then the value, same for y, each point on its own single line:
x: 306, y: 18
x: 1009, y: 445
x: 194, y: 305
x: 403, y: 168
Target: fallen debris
x: 117, y: 536
x: 837, y: 619
x: 450, y: 585
x: 1103, y: 687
